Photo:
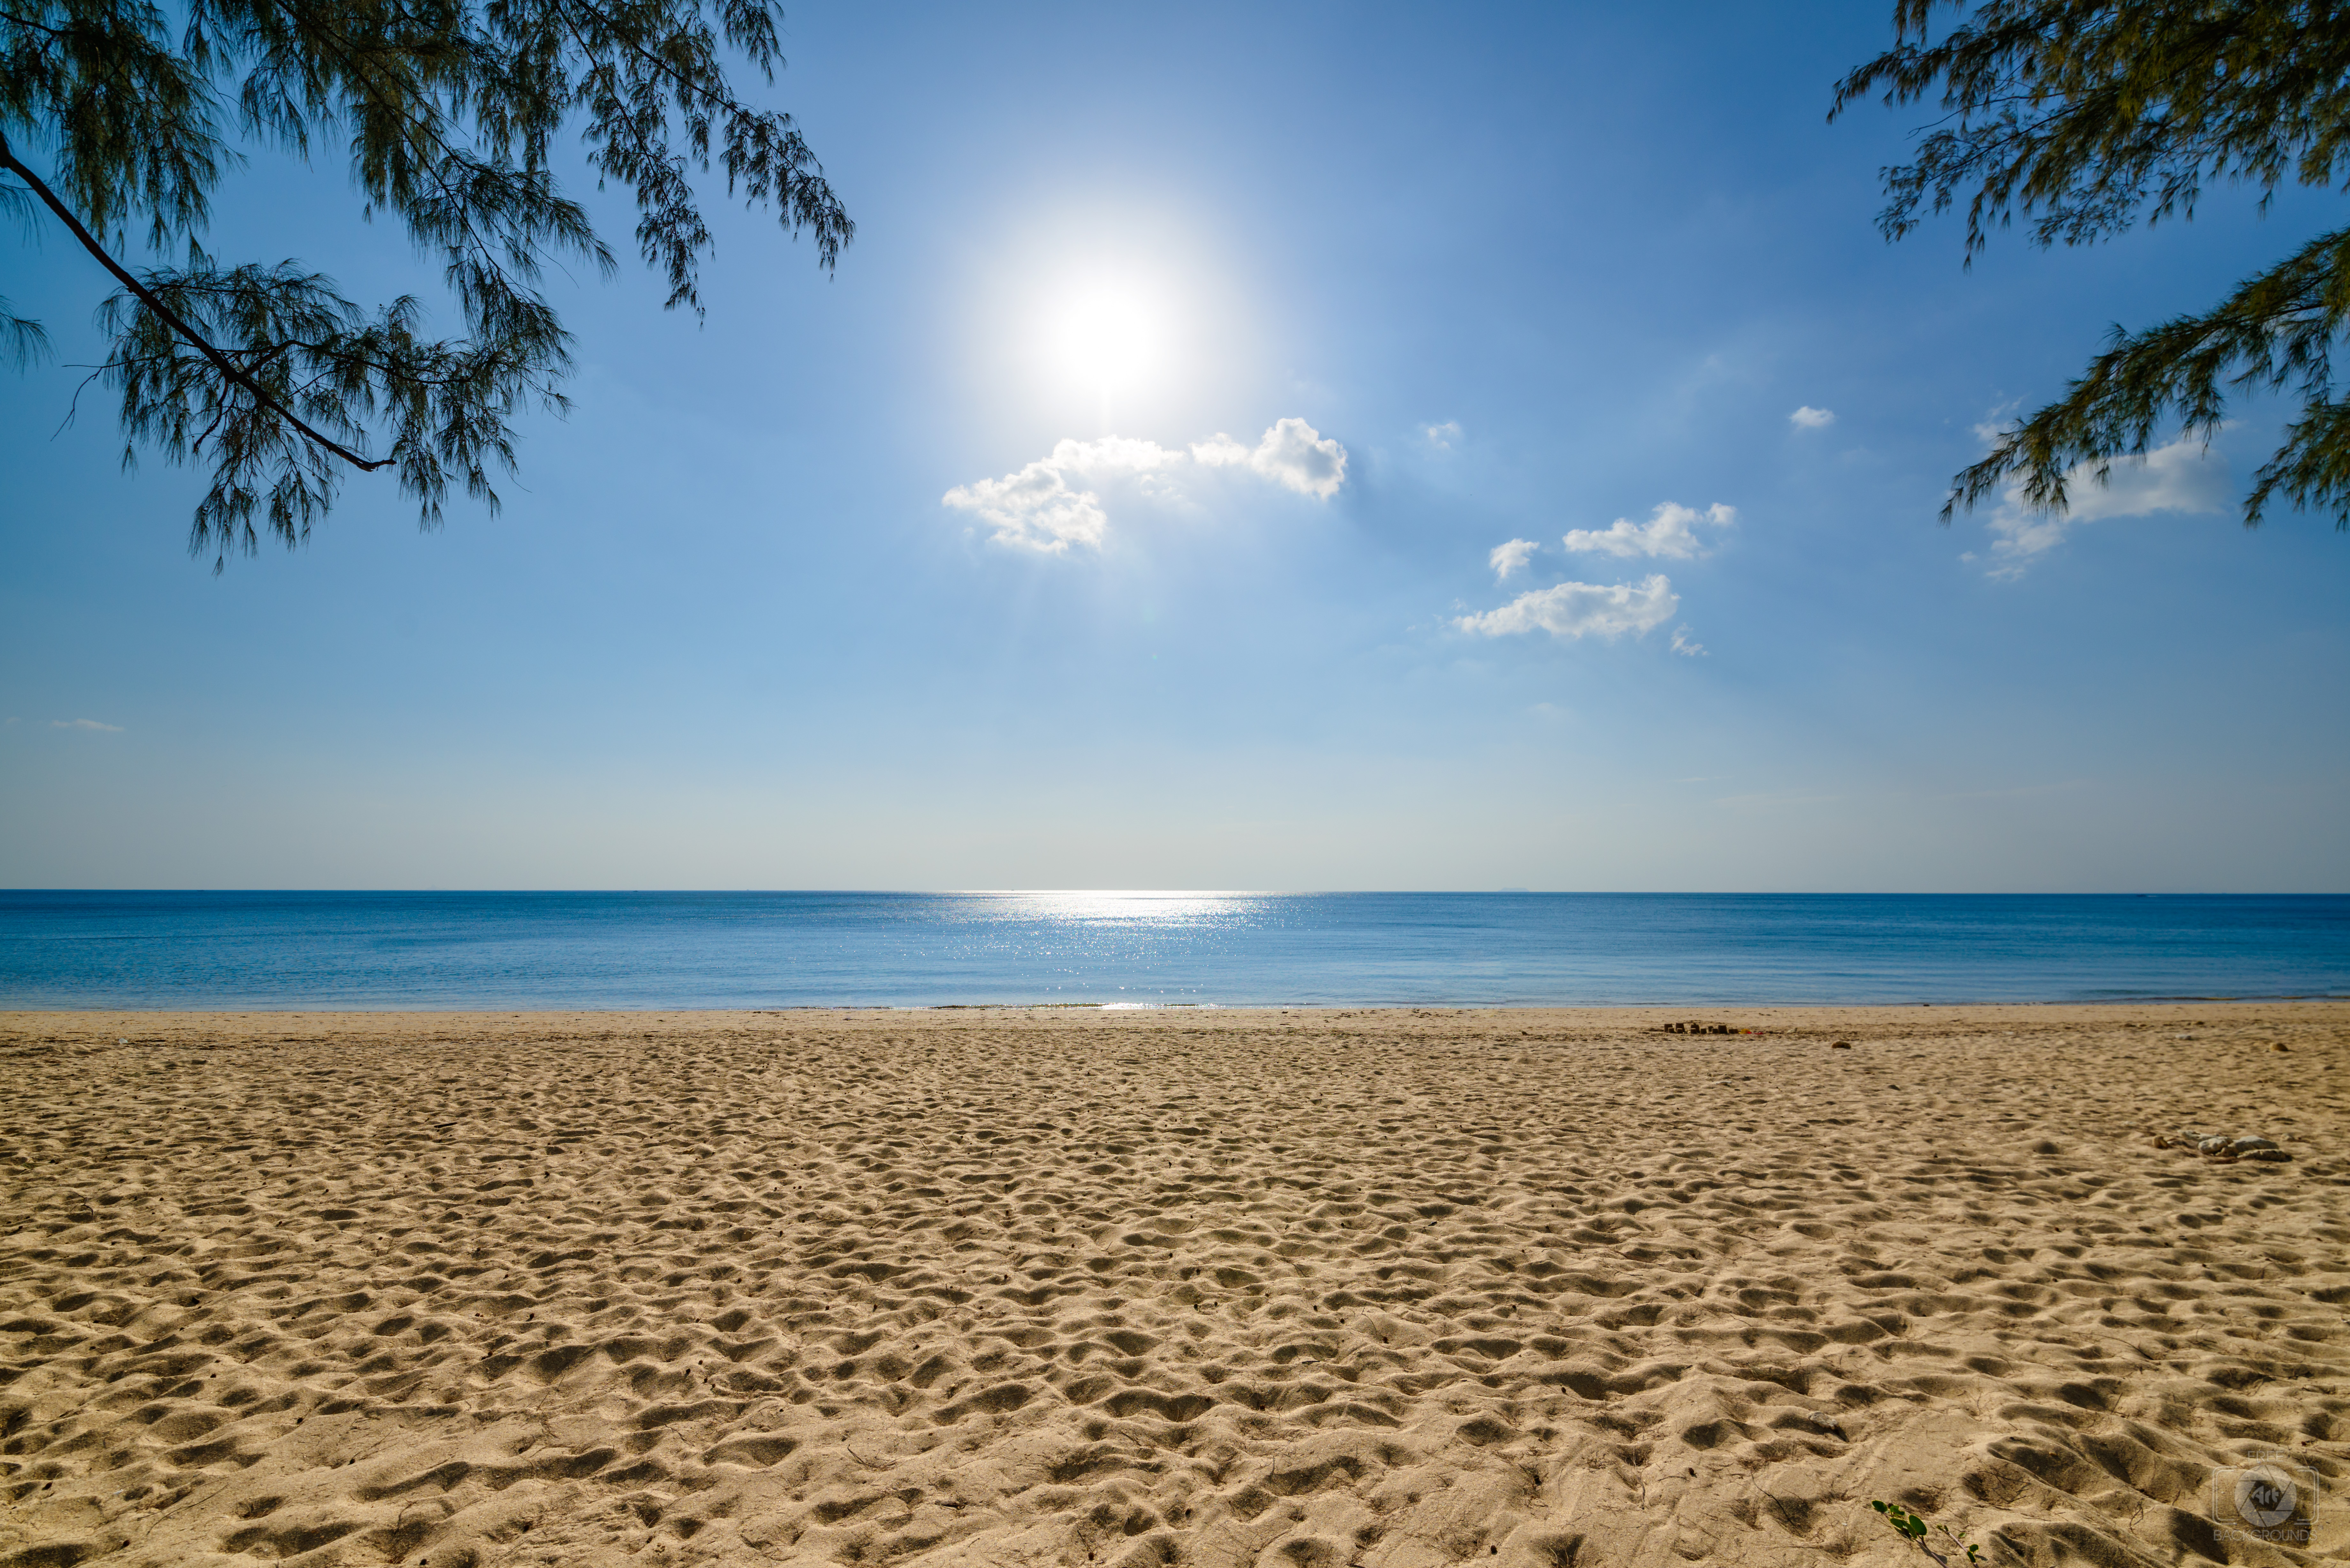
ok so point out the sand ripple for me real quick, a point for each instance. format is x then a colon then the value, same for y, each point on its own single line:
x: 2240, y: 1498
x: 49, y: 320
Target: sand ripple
x: 1389, y: 1288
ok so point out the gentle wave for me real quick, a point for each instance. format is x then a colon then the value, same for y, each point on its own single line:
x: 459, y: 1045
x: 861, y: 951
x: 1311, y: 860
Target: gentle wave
x: 264, y: 950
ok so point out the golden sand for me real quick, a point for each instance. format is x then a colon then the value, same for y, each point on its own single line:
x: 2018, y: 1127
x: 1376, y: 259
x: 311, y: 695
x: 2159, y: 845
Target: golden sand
x: 1281, y: 1288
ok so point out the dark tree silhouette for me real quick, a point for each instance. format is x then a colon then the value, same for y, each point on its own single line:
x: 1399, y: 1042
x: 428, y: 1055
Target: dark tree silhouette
x: 115, y: 121
x: 2081, y: 118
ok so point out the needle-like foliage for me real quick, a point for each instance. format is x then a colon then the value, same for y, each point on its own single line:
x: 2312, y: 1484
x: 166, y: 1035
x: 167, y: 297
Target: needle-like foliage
x: 2080, y: 117
x: 115, y: 124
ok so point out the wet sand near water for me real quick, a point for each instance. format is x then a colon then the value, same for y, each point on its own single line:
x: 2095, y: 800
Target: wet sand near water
x: 997, y: 1286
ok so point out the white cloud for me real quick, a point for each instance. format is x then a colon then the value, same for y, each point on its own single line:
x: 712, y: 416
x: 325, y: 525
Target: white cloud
x: 1038, y: 509
x: 1684, y: 643
x: 1808, y: 418
x: 2181, y: 477
x: 1441, y: 437
x: 1670, y: 531
x: 1111, y: 455
x: 84, y: 724
x: 1034, y: 509
x: 1293, y: 455
x: 1993, y: 425
x: 1581, y: 609
x: 1510, y: 557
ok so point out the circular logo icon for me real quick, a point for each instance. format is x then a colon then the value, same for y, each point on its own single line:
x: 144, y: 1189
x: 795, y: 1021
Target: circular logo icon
x: 2265, y: 1496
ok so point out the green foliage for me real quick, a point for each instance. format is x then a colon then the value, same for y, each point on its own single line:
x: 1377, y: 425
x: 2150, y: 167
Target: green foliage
x: 449, y: 110
x: 1913, y: 1527
x: 2080, y: 115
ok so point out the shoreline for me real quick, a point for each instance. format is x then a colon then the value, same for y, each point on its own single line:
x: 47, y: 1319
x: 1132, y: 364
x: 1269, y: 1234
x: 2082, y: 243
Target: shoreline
x: 1597, y: 1013
x: 1396, y: 1287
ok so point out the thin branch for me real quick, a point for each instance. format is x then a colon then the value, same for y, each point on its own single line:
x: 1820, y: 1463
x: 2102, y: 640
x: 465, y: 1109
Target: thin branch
x: 687, y: 83
x: 359, y: 71
x: 171, y: 318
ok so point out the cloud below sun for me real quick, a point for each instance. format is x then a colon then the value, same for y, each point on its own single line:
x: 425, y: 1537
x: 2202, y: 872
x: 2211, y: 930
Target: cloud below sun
x: 1576, y: 610
x: 1670, y: 530
x: 1054, y: 503
x: 1573, y: 611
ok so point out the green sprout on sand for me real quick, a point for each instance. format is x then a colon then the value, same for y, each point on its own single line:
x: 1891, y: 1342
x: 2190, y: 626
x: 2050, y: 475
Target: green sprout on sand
x: 1913, y: 1527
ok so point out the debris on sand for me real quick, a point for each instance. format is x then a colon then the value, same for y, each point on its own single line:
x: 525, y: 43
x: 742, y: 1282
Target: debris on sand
x: 2220, y: 1147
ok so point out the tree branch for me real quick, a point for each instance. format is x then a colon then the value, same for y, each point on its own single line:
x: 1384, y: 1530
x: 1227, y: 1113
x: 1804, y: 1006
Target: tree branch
x: 171, y: 318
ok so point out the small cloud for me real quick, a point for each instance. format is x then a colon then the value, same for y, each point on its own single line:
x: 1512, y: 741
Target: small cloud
x: 1670, y: 530
x: 1038, y: 509
x: 1808, y: 418
x: 1510, y: 557
x: 1581, y: 609
x: 1034, y: 509
x: 1441, y: 437
x: 89, y: 724
x: 2183, y: 477
x: 1993, y: 425
x: 1112, y: 455
x: 1293, y: 455
x: 1683, y: 643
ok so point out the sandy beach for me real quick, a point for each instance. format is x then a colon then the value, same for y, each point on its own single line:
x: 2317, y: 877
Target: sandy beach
x: 1394, y: 1287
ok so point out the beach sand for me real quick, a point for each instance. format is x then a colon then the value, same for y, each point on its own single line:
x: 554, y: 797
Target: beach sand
x: 1395, y: 1287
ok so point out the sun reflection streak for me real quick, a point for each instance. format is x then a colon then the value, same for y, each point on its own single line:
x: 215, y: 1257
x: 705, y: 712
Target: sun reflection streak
x: 1128, y: 908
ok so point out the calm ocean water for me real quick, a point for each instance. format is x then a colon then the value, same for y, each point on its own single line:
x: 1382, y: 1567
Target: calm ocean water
x: 253, y: 950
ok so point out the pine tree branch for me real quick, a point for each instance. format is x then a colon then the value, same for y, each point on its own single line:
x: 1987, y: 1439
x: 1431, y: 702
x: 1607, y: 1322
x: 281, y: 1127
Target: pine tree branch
x: 171, y: 318
x: 448, y: 107
x: 2082, y: 117
x: 2274, y: 330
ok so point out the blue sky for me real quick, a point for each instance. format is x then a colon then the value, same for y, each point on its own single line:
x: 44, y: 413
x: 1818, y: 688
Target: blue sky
x: 1532, y: 271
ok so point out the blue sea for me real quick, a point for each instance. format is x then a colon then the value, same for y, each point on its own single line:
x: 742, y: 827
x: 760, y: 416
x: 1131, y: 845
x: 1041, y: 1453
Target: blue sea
x: 520, y: 951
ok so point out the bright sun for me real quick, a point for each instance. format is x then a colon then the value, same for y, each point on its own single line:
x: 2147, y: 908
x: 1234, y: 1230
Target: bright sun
x: 1109, y: 337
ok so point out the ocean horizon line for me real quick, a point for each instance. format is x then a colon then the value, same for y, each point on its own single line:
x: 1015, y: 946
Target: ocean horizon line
x: 1074, y: 892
